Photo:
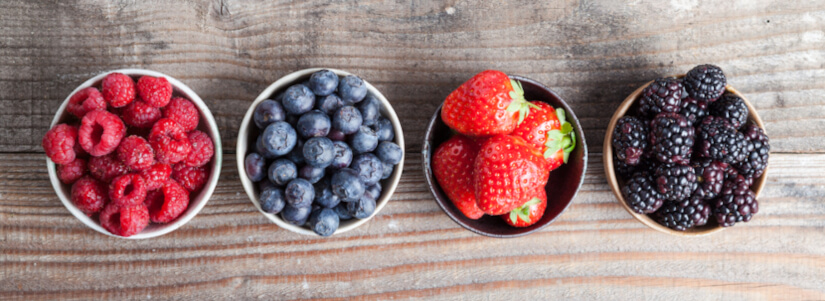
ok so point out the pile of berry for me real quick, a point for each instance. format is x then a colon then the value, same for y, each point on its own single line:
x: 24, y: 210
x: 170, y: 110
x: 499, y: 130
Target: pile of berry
x: 322, y: 152
x: 131, y: 152
x: 690, y: 153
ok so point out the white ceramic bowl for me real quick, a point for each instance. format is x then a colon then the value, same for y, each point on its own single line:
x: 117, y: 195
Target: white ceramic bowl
x: 388, y: 185
x: 207, y: 125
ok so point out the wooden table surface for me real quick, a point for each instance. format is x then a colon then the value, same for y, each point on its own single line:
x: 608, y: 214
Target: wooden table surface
x: 593, y: 53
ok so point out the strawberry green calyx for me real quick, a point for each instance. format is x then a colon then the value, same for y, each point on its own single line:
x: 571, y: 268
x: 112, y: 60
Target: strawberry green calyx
x: 523, y: 212
x: 561, y: 139
x: 518, y: 102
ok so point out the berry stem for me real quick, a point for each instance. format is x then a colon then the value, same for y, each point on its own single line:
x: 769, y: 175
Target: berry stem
x: 519, y: 103
x: 562, y: 139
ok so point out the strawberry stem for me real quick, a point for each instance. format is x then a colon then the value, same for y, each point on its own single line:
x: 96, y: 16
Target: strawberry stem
x: 518, y: 103
x: 562, y: 139
x: 523, y: 211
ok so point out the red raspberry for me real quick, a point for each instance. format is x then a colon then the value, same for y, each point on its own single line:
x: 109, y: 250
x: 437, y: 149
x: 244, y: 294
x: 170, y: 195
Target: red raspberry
x: 106, y: 168
x: 124, y: 221
x: 127, y: 190
x: 202, y: 149
x: 89, y: 195
x: 69, y: 173
x: 140, y: 114
x: 167, y: 203
x: 191, y: 178
x: 156, y: 175
x: 100, y: 132
x: 183, y: 112
x: 156, y: 91
x: 59, y: 143
x: 85, y: 101
x: 136, y: 153
x: 118, y: 89
x: 169, y: 141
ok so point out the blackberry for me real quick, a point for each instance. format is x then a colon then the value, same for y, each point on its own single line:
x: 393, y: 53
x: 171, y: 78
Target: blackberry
x: 710, y: 175
x: 630, y: 139
x: 694, y: 110
x: 675, y: 182
x: 737, y: 203
x: 683, y: 215
x: 662, y: 95
x: 731, y: 108
x: 640, y: 194
x: 626, y: 171
x: 718, y: 140
x: 757, y: 159
x: 671, y: 137
x: 705, y: 82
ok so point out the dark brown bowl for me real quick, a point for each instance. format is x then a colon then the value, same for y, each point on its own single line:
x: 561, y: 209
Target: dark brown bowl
x: 562, y: 186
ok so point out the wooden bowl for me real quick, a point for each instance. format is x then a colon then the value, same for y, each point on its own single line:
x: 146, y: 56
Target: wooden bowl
x: 562, y: 185
x: 617, y: 182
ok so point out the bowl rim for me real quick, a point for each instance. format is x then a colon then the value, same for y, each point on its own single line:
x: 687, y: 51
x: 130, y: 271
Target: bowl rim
x: 610, y: 174
x: 243, y: 141
x: 205, y: 194
x: 428, y: 148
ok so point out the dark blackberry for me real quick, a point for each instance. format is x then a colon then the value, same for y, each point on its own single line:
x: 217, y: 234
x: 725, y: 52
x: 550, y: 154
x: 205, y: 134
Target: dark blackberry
x: 731, y: 108
x: 675, y: 182
x: 732, y: 176
x: 694, y: 110
x: 737, y: 203
x: 671, y: 138
x: 626, y: 171
x: 757, y: 159
x: 662, y: 95
x: 683, y: 215
x: 705, y: 82
x: 718, y: 140
x: 710, y: 175
x: 640, y: 194
x: 630, y: 139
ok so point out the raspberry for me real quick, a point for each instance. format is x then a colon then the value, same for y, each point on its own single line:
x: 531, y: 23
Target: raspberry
x: 100, y: 132
x: 641, y: 195
x: 202, y: 149
x: 106, y: 168
x: 731, y: 108
x: 675, y: 182
x: 118, y: 89
x: 156, y: 91
x: 169, y: 141
x: 754, y: 164
x: 85, y: 101
x: 89, y: 195
x: 705, y: 82
x: 69, y: 173
x: 683, y: 215
x: 183, y: 112
x: 694, y: 110
x: 711, y: 176
x: 671, y: 137
x: 191, y: 178
x: 663, y: 95
x: 167, y: 203
x: 630, y: 139
x: 140, y: 114
x: 136, y: 153
x: 127, y: 190
x: 124, y: 221
x: 59, y: 143
x: 718, y: 140
x: 155, y: 176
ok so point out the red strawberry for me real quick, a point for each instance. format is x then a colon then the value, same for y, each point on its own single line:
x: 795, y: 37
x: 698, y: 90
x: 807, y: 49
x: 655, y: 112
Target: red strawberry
x: 548, y: 130
x: 453, y: 168
x: 506, y: 172
x: 488, y: 104
x: 529, y: 213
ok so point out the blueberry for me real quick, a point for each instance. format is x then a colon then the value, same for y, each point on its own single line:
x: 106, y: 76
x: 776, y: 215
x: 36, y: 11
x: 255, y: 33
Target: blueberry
x: 388, y: 168
x: 346, y: 185
x: 389, y: 152
x: 352, y: 89
x: 313, y: 124
x: 362, y: 208
x: 299, y: 193
x: 260, y: 149
x: 336, y: 135
x: 369, y: 168
x: 329, y: 104
x: 255, y: 164
x: 278, y: 139
x: 282, y: 171
x: 343, y: 213
x: 324, y: 195
x: 297, y: 153
x: 298, y: 99
x: 370, y: 110
x: 364, y: 141
x: 324, y: 221
x: 268, y: 111
x: 383, y: 128
x: 272, y: 200
x: 319, y: 152
x: 296, y: 216
x: 323, y: 82
x: 311, y: 173
x: 347, y: 120
x: 373, y: 191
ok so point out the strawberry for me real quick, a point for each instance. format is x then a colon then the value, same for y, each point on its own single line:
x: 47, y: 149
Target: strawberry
x: 506, y: 172
x: 548, y: 130
x: 488, y: 104
x: 529, y: 213
x: 453, y: 168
